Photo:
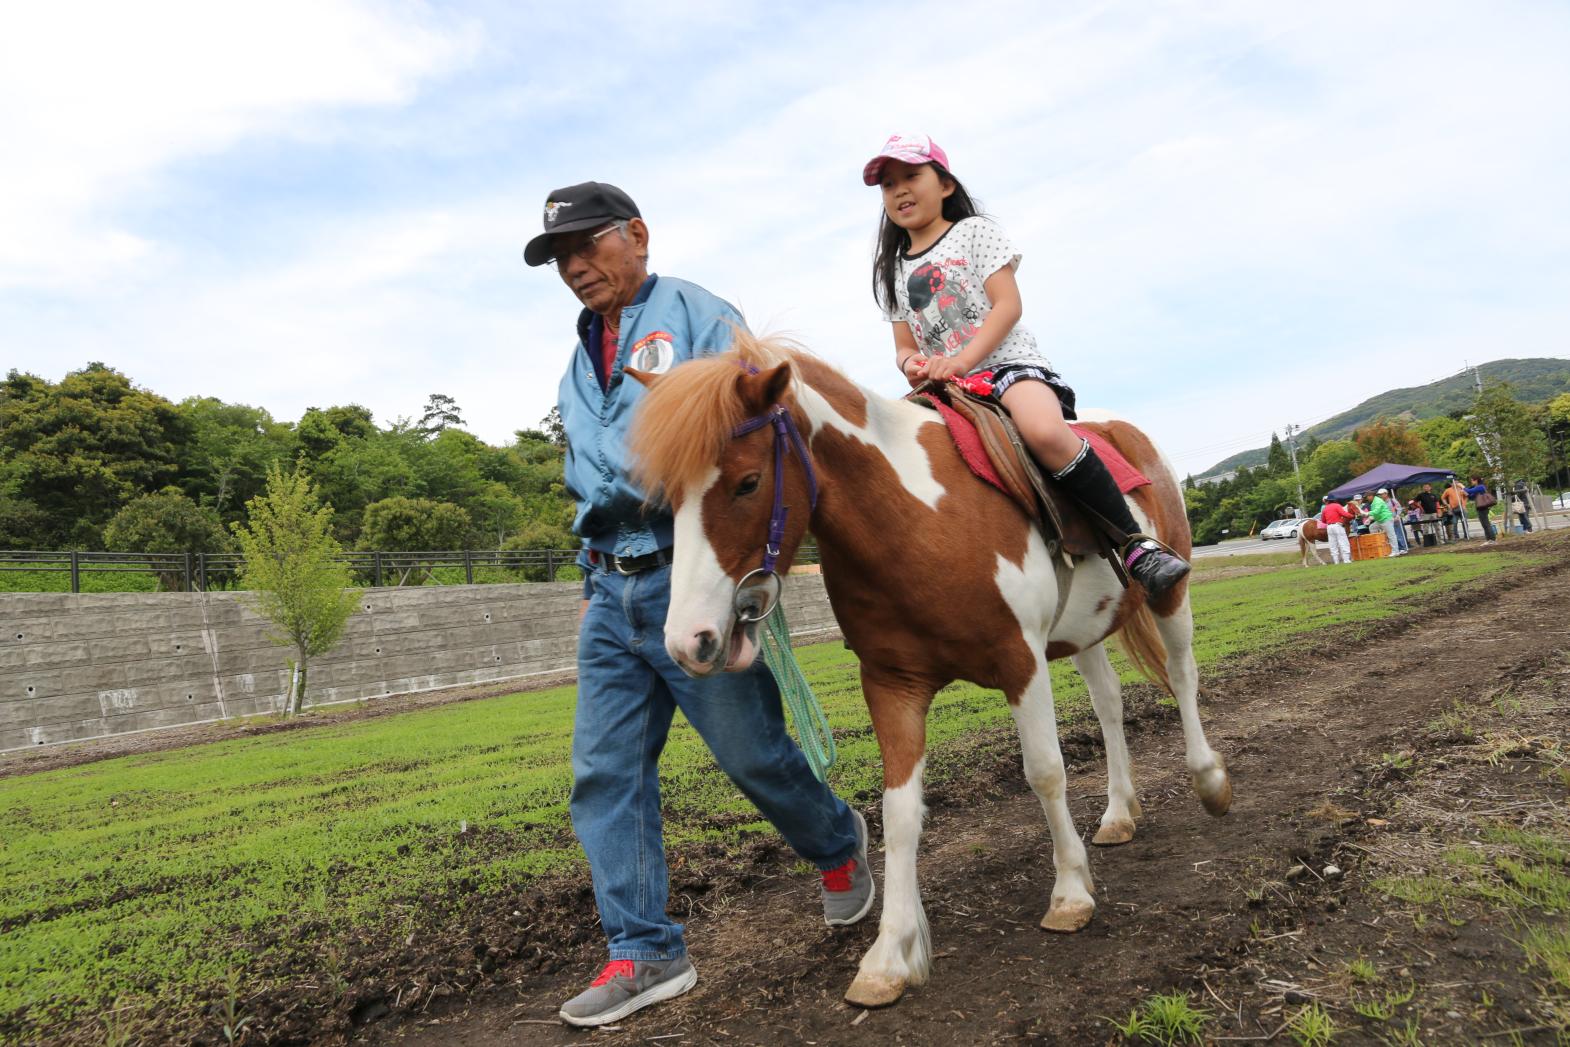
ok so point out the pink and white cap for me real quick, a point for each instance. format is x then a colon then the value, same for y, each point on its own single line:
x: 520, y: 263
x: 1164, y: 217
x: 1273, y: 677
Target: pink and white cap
x: 913, y: 149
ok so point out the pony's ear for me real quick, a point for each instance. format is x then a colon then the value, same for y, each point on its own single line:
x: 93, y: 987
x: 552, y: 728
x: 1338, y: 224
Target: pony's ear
x: 764, y: 389
x: 648, y: 378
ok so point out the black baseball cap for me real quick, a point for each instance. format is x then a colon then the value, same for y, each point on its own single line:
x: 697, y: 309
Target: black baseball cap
x: 586, y: 205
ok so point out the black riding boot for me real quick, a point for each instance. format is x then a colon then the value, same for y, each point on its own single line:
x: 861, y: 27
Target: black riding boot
x: 1087, y: 479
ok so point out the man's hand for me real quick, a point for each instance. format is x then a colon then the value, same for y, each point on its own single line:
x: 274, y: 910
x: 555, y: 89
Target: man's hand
x: 583, y: 609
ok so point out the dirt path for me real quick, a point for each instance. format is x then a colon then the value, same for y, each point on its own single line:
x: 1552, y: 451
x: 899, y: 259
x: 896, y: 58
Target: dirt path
x: 1193, y: 903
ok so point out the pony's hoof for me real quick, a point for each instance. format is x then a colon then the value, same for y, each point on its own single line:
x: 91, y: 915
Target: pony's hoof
x: 1114, y: 833
x: 874, y: 990
x: 1214, y: 788
x: 1068, y: 917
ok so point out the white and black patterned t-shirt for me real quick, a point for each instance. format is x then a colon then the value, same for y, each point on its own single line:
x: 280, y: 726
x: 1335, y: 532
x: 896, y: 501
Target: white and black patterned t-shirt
x: 941, y: 293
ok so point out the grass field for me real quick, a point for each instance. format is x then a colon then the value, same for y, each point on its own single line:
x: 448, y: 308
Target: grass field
x: 152, y: 876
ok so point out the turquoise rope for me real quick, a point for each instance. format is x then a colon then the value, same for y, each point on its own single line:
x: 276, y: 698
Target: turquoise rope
x: 812, y: 726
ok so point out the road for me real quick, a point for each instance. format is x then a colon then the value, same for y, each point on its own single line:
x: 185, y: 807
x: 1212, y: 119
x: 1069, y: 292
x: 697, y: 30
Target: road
x: 1254, y: 546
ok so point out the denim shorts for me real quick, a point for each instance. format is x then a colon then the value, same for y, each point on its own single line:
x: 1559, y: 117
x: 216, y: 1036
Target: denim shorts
x: 1008, y: 374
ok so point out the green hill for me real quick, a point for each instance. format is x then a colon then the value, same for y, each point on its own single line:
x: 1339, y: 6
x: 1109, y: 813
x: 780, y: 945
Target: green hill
x: 1535, y: 380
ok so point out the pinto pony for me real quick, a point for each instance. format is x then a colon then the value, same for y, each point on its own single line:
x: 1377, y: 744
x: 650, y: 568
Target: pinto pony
x: 1312, y: 531
x: 933, y: 575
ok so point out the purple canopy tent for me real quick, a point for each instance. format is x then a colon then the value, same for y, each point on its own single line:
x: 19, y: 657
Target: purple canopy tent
x: 1391, y: 475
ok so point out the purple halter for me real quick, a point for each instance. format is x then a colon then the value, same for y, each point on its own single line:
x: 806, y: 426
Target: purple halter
x: 786, y: 437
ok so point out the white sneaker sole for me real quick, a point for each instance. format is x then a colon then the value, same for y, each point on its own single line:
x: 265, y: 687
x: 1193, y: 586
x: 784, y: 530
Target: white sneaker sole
x: 657, y: 994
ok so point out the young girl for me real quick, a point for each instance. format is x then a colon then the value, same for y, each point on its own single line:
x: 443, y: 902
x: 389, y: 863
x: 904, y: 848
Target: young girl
x: 944, y: 277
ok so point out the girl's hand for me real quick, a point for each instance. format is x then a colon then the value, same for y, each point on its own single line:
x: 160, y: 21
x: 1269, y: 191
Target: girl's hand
x: 942, y: 369
x: 915, y: 369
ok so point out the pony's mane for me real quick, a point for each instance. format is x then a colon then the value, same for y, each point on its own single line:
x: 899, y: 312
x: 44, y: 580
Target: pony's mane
x: 689, y: 414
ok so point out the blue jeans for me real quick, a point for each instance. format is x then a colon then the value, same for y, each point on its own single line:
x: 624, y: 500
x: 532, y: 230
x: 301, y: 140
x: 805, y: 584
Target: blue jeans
x: 628, y: 690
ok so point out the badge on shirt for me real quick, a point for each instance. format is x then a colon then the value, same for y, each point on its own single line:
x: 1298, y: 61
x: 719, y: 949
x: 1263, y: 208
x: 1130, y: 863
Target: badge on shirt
x: 654, y: 353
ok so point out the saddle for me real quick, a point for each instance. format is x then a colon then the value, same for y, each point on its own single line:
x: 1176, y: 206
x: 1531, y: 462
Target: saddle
x: 991, y: 445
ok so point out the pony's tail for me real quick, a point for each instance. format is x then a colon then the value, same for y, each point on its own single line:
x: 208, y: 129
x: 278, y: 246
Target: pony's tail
x: 1142, y: 646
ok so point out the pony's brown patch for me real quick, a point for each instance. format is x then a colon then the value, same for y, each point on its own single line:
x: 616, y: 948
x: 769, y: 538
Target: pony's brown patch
x: 841, y: 393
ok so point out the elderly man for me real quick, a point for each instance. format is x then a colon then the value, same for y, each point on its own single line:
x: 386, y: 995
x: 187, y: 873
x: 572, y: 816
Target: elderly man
x: 628, y: 687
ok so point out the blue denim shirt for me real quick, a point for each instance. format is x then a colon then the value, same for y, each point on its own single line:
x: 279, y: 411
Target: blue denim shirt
x: 668, y: 322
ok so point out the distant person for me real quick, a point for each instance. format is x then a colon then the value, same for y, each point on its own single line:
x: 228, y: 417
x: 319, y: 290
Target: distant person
x: 1521, y: 507
x: 1399, y: 512
x: 1335, y: 518
x: 1359, y: 516
x: 628, y: 687
x: 1384, y: 517
x: 1453, y: 498
x: 1483, y: 501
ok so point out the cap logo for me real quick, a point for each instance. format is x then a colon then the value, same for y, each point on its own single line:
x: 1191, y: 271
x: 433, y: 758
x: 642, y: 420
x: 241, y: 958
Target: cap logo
x: 553, y: 208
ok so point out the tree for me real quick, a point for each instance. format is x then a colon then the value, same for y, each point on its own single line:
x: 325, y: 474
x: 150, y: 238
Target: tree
x: 552, y: 427
x: 538, y: 537
x: 1330, y: 466
x: 1513, y: 445
x: 441, y: 411
x: 1387, y: 440
x: 166, y: 522
x: 232, y: 447
x: 79, y: 450
x: 1448, y: 443
x: 1276, y: 461
x: 291, y: 566
x: 413, y: 525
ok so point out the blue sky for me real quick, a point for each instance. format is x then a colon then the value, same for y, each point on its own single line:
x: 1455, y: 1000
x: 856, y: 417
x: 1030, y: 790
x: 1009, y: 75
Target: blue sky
x: 1234, y: 215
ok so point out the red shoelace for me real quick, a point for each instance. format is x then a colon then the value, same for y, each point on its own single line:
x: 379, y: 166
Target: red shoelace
x: 614, y: 969
x: 838, y: 880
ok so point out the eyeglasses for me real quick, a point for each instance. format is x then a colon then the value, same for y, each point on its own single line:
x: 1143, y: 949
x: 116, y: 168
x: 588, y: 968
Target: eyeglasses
x: 586, y: 247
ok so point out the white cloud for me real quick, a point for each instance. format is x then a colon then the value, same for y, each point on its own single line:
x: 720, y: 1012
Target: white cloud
x: 1233, y: 215
x: 102, y: 99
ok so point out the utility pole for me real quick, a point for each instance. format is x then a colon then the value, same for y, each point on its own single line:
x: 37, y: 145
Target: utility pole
x: 1292, y: 450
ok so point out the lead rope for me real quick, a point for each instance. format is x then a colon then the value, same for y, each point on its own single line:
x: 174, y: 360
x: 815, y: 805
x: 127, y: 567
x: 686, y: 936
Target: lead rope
x: 812, y: 726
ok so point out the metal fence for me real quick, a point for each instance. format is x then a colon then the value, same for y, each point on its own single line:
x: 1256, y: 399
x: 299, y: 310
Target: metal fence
x: 198, y: 572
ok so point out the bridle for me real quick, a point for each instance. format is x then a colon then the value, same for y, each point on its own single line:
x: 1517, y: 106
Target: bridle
x: 765, y: 579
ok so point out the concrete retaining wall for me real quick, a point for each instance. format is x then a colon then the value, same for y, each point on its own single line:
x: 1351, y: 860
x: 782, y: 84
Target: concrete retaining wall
x: 79, y: 666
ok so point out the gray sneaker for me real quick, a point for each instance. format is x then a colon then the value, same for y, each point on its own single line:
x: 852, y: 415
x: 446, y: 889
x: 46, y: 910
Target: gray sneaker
x: 848, y: 891
x: 625, y: 986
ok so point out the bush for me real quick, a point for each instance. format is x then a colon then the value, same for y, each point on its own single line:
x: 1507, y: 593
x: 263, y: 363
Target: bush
x: 539, y: 536
x: 166, y: 522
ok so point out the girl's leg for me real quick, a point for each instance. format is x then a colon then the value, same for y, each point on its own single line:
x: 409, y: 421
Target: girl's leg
x: 1073, y: 463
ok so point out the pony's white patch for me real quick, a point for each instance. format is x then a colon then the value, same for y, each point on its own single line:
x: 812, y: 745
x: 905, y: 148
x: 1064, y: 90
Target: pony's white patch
x: 701, y: 591
x: 1090, y: 602
x: 903, y: 951
x: 1031, y: 589
x: 1031, y: 593
x: 892, y: 427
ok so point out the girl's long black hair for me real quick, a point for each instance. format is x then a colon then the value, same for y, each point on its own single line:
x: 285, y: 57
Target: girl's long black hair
x: 894, y: 241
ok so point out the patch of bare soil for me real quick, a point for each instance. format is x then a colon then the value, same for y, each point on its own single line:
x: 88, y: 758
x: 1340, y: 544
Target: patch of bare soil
x: 1337, y: 749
